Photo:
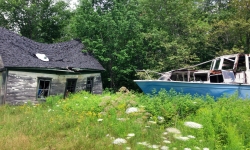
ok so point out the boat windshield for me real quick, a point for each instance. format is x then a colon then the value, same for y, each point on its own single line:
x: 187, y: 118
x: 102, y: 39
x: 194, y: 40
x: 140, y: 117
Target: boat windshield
x: 216, y: 64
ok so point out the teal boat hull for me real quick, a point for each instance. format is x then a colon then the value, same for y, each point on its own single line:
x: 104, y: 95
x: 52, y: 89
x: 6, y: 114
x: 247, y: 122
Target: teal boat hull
x: 201, y: 88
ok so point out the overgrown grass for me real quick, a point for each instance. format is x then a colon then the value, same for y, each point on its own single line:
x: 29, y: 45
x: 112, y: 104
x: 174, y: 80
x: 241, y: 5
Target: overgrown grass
x: 85, y: 121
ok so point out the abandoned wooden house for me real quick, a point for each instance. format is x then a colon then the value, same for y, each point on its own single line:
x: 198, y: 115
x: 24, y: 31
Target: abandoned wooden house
x: 31, y: 71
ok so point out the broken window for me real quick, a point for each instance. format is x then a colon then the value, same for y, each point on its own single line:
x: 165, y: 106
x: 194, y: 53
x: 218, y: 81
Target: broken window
x: 89, y: 85
x: 43, y: 87
x: 228, y: 63
x: 201, y: 76
x: 228, y: 76
x: 70, y: 86
x: 241, y: 64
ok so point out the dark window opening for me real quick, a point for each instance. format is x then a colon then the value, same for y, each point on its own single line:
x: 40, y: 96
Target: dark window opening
x: 43, y: 87
x: 174, y: 77
x: 241, y: 64
x: 200, y: 77
x: 89, y: 84
x: 179, y: 77
x: 228, y: 64
x: 248, y: 62
x: 216, y: 78
x: 70, y: 86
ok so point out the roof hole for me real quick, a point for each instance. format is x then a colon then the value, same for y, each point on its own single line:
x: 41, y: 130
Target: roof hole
x: 42, y: 57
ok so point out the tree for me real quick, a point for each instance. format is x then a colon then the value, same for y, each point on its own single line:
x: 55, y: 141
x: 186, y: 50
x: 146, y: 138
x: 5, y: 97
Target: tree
x: 127, y: 35
x: 110, y: 31
x: 229, y: 27
x: 40, y: 20
x: 173, y: 36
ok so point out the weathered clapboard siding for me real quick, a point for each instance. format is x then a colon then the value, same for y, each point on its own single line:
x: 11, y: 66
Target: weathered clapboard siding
x: 97, y: 88
x: 1, y: 88
x: 22, y: 86
x: 82, y: 81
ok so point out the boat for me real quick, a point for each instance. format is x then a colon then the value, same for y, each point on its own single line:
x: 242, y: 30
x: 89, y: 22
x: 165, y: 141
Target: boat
x: 227, y: 75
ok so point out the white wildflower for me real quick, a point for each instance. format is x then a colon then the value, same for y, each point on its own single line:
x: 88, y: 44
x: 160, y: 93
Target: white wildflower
x: 165, y: 133
x: 182, y: 138
x: 164, y: 148
x: 131, y: 135
x: 191, y: 136
x: 132, y: 110
x: 49, y: 110
x: 128, y: 148
x: 187, y: 148
x: 99, y: 120
x: 205, y: 148
x: 166, y: 141
x: 155, y: 146
x: 119, y: 141
x: 193, y: 125
x: 173, y: 130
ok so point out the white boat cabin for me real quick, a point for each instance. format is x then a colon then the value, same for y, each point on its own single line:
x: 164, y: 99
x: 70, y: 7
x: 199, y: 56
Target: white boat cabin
x: 225, y: 69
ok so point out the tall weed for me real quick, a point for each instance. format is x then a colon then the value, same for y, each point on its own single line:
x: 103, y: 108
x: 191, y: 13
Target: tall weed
x: 86, y: 121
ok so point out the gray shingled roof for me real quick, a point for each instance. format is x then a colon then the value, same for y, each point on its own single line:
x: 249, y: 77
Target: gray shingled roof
x: 19, y: 51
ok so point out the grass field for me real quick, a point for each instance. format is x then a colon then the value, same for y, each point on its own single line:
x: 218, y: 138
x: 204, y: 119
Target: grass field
x: 127, y: 120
